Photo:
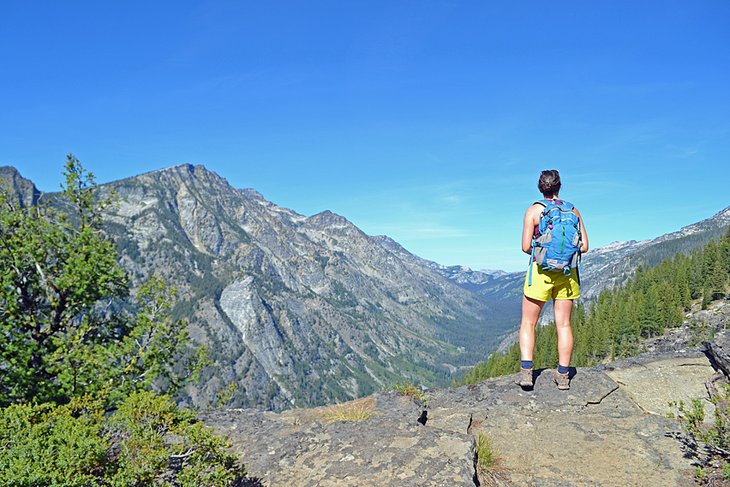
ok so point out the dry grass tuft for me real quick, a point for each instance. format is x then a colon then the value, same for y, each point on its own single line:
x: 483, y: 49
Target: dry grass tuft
x: 411, y: 390
x: 357, y: 410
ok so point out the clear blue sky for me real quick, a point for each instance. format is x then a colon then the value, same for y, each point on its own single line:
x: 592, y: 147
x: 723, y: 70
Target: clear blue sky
x: 427, y: 121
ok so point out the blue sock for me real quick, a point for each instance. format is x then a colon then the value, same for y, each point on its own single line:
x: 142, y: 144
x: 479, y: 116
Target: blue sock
x: 563, y: 369
x: 527, y: 364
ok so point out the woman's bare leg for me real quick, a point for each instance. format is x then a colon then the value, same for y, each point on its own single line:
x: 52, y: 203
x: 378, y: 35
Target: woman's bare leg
x: 563, y: 308
x: 530, y: 313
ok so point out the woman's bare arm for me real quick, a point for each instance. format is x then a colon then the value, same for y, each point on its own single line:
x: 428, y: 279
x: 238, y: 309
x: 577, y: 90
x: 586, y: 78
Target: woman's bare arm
x: 532, y: 218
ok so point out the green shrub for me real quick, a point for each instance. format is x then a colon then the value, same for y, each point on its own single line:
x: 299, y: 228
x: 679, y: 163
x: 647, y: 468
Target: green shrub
x: 486, y: 456
x: 148, y: 440
x: 155, y: 439
x: 52, y: 445
x: 708, y: 442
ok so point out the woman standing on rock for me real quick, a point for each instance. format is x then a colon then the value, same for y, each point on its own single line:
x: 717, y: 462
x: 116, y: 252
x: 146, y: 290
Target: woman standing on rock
x: 554, y: 235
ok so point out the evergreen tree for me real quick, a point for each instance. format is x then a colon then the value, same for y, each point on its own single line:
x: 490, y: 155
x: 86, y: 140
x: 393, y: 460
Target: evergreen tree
x: 60, y: 279
x: 725, y: 251
x: 717, y: 280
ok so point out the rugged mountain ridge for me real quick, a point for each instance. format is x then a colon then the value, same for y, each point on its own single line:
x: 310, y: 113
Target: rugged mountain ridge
x: 297, y: 310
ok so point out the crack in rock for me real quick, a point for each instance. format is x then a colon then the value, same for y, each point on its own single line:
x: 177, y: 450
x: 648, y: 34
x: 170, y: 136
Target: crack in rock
x: 589, y: 402
x: 471, y: 422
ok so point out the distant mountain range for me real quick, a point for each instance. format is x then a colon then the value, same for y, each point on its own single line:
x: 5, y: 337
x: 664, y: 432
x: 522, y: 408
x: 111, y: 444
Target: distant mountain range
x: 310, y: 310
x: 611, y: 265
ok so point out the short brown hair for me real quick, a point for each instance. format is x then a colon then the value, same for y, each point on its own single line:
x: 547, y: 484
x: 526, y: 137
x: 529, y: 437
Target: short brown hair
x: 549, y: 182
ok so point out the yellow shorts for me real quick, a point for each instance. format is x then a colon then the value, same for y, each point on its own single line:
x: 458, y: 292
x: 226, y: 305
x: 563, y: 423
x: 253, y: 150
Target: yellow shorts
x: 547, y: 285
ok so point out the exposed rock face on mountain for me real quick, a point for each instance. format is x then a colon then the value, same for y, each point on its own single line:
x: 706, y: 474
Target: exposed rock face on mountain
x: 24, y: 191
x: 297, y: 310
x: 718, y: 347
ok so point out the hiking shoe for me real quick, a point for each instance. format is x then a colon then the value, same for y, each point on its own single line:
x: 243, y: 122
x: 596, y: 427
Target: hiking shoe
x: 562, y: 380
x: 525, y: 378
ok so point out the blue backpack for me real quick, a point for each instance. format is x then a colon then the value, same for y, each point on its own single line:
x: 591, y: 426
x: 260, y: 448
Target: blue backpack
x: 556, y: 246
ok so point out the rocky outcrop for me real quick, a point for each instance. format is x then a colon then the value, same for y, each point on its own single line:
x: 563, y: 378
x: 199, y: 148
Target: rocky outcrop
x: 719, y: 351
x: 302, y: 447
x: 610, y: 428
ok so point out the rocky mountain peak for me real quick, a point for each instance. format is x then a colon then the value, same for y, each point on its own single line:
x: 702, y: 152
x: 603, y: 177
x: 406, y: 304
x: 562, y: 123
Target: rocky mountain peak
x: 252, y: 194
x: 194, y: 175
x: 494, y: 272
x: 9, y: 172
x: 327, y: 218
x: 619, y: 245
x: 722, y: 217
x: 719, y: 220
x: 23, y: 189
